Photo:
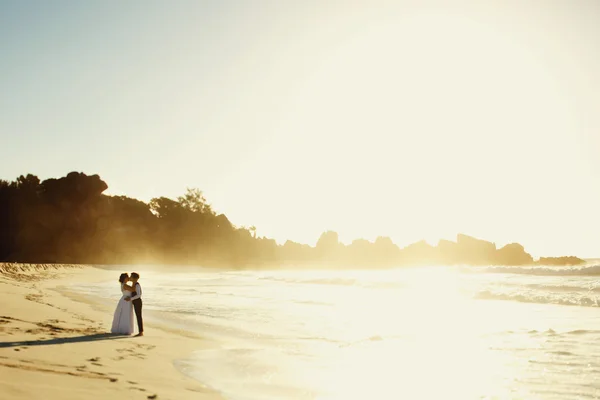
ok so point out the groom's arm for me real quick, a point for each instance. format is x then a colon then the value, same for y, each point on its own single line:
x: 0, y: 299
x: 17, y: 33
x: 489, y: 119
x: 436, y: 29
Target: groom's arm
x: 137, y: 293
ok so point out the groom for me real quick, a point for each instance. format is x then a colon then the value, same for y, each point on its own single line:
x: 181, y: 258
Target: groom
x: 136, y: 300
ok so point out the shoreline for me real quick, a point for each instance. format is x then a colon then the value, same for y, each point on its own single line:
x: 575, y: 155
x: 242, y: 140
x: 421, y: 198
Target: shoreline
x: 56, y: 343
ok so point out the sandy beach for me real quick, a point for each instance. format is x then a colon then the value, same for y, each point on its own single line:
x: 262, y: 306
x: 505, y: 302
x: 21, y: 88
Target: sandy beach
x: 58, y: 346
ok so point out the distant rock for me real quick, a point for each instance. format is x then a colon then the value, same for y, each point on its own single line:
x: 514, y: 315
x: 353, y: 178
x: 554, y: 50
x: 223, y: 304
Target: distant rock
x: 419, y: 253
x: 560, y: 261
x: 448, y: 252
x: 512, y: 254
x: 474, y: 251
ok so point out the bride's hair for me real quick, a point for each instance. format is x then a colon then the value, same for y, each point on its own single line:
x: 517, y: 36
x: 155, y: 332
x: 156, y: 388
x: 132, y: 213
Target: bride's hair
x: 123, y: 276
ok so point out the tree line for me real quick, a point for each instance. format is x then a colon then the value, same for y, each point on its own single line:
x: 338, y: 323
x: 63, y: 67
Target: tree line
x: 70, y: 220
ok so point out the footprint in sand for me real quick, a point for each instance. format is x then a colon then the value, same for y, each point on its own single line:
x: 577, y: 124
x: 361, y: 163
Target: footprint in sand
x: 145, y: 346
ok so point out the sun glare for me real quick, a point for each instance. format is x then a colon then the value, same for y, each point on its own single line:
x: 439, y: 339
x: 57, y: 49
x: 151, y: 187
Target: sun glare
x: 323, y: 200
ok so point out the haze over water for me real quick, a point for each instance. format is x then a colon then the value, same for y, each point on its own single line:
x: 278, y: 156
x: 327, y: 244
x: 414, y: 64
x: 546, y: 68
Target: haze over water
x: 418, y: 333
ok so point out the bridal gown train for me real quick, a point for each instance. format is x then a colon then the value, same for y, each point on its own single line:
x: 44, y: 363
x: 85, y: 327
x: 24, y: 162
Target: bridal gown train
x: 123, y: 319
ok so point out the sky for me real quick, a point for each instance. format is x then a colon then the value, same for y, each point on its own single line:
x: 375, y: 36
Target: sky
x: 409, y: 119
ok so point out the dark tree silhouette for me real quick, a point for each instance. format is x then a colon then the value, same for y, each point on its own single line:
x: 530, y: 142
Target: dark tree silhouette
x: 70, y: 220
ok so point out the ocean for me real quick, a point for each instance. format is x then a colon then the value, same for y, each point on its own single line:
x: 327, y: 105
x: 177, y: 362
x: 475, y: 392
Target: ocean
x: 408, y: 333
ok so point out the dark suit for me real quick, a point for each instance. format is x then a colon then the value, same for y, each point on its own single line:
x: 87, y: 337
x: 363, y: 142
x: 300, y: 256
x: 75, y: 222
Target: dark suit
x: 137, y: 306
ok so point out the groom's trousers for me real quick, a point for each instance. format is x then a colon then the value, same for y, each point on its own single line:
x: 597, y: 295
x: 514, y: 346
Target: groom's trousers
x: 137, y: 306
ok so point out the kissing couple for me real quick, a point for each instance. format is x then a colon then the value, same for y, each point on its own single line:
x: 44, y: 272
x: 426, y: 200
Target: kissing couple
x: 131, y: 300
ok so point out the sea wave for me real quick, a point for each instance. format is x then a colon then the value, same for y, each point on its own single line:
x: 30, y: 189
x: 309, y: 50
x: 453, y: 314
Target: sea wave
x: 583, y: 287
x: 582, y: 300
x: 337, y: 281
x: 587, y: 270
x: 314, y: 281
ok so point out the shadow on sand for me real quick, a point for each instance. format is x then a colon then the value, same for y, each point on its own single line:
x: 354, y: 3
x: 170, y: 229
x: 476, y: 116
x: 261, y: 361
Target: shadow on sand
x: 76, y: 339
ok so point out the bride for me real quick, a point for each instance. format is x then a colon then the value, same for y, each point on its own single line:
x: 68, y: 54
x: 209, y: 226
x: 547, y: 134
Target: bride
x: 123, y: 319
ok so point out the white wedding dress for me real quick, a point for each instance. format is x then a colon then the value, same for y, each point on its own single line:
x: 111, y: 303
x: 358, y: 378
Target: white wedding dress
x: 123, y: 319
